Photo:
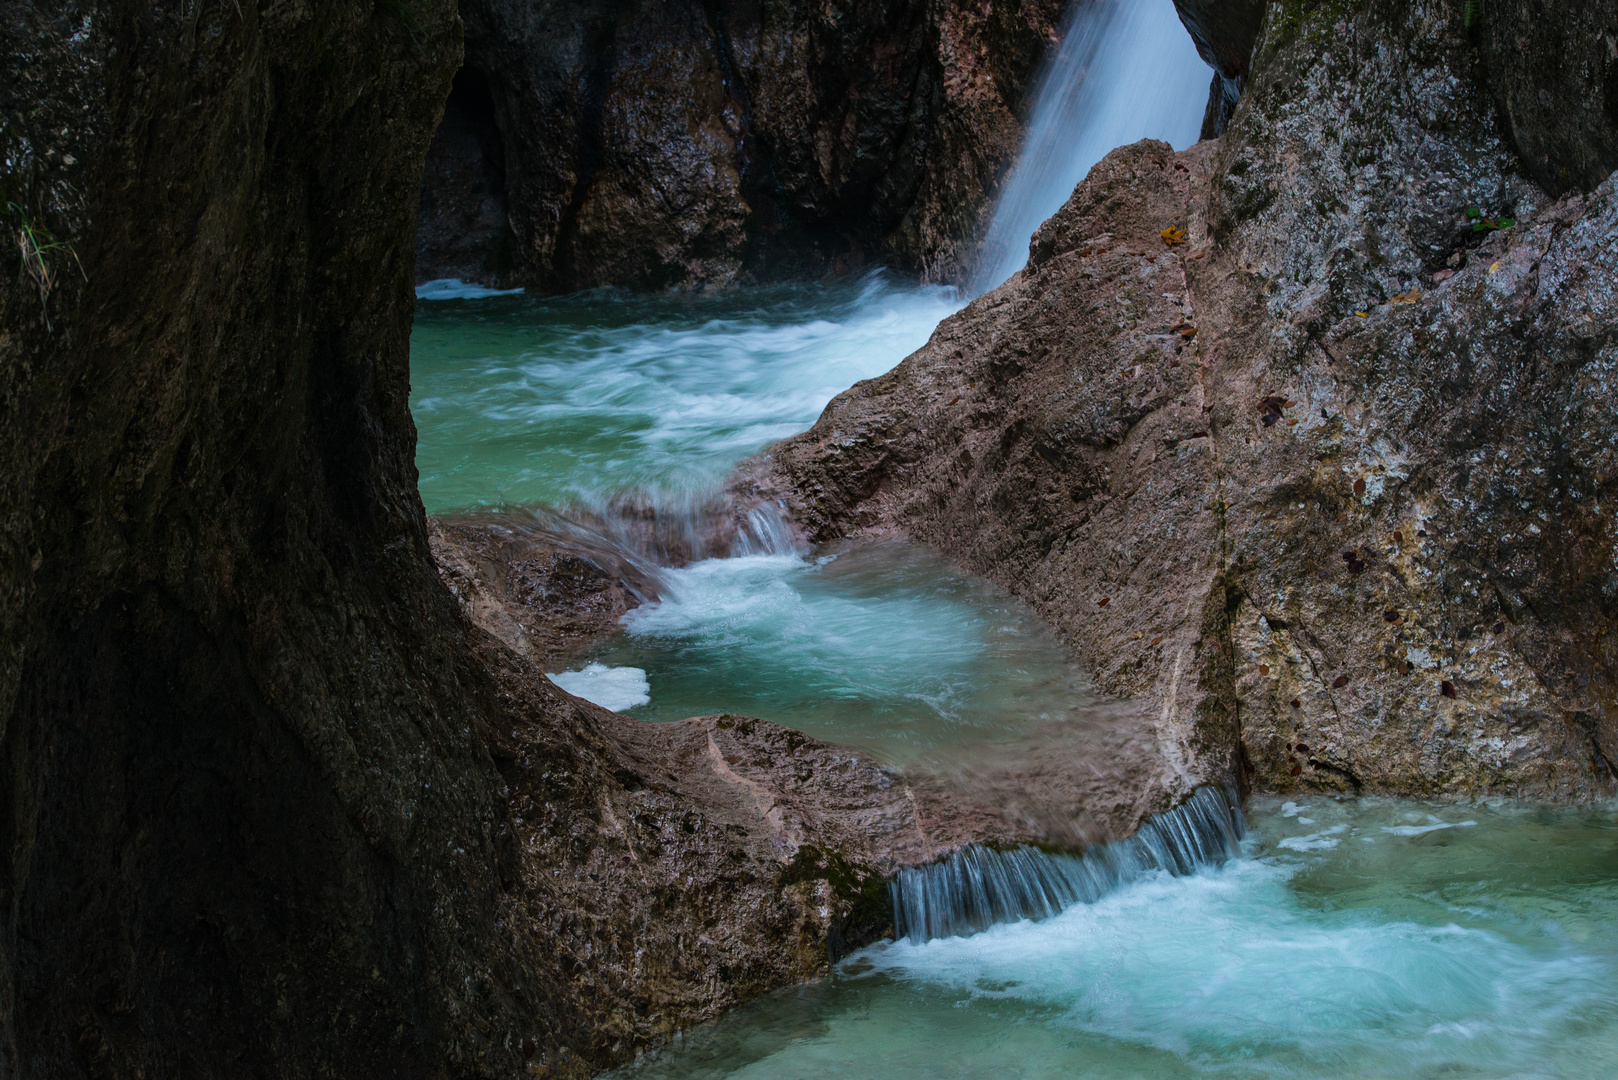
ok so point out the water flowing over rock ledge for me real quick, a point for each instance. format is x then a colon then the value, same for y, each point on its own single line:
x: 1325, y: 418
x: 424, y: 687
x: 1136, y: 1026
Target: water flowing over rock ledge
x: 978, y: 886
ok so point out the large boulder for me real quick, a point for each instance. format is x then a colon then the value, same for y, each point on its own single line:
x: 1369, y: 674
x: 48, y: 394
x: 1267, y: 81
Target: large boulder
x: 1322, y: 478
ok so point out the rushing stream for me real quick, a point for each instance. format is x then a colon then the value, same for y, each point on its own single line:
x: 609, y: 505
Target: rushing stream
x: 1356, y: 940
x: 1348, y: 939
x: 575, y: 400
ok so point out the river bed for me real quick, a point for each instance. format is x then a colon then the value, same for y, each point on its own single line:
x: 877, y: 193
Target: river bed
x: 1369, y: 938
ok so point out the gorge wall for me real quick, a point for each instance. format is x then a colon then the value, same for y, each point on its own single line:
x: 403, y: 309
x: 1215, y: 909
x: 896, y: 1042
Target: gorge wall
x: 1292, y: 434
x: 677, y: 143
x: 271, y: 805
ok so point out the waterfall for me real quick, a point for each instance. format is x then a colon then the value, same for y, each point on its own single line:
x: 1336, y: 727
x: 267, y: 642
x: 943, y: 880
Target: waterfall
x: 977, y: 886
x: 1126, y: 70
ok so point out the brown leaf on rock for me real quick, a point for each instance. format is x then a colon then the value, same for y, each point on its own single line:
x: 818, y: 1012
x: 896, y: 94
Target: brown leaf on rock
x: 1105, y: 600
x: 1499, y: 628
x: 1264, y: 669
x: 1172, y: 236
x: 1296, y: 704
x: 1339, y: 682
x: 1447, y: 688
x: 1359, y: 488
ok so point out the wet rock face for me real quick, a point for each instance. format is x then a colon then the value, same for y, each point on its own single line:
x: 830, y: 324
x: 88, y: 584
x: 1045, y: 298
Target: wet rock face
x: 1553, y: 68
x: 1225, y: 32
x: 676, y: 143
x: 1326, y: 481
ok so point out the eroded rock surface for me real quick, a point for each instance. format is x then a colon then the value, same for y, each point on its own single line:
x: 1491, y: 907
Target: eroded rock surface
x: 1326, y: 482
x: 676, y: 143
x: 272, y: 805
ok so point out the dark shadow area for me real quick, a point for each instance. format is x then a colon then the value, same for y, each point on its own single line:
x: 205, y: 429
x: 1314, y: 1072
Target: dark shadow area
x: 462, y: 230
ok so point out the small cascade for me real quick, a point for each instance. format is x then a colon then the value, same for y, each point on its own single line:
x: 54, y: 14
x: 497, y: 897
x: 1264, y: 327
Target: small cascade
x: 1126, y: 70
x: 978, y: 887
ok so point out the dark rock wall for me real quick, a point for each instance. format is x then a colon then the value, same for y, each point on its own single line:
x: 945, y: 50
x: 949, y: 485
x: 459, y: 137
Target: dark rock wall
x: 1225, y: 32
x: 1328, y: 481
x: 674, y: 143
x: 249, y: 827
x: 270, y: 805
x: 1553, y: 68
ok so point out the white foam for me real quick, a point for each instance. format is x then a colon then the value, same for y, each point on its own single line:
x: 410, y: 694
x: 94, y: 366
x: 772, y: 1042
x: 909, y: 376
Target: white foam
x: 1234, y: 957
x: 615, y: 688
x: 456, y: 289
x: 583, y: 400
x: 1418, y: 830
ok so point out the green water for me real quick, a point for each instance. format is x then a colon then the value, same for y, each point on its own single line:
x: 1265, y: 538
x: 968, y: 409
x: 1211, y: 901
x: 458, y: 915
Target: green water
x: 1358, y: 939
x: 1355, y: 939
x: 571, y: 401
x: 550, y: 401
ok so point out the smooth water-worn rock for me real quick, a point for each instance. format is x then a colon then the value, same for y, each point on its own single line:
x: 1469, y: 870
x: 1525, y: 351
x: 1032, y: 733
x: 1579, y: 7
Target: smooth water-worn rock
x: 1324, y: 477
x: 675, y: 143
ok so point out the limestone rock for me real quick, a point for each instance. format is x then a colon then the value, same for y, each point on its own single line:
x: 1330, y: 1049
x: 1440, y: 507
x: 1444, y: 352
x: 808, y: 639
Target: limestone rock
x: 1326, y: 482
x: 677, y: 144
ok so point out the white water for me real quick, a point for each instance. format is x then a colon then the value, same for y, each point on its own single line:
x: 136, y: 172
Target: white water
x: 1487, y: 950
x: 615, y: 688
x: 882, y: 646
x: 530, y: 401
x: 1126, y: 70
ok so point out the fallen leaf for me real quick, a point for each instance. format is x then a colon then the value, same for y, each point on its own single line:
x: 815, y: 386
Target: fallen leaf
x: 1105, y: 600
x: 1398, y: 537
x: 1292, y: 423
x: 1447, y: 688
x: 1494, y: 267
x: 1296, y: 769
x: 1406, y: 297
x: 1303, y: 748
x: 1359, y: 488
x: 1390, y: 616
x: 1363, y: 314
x: 1296, y: 704
x: 1264, y: 669
x: 1172, y: 236
x: 1499, y: 627
x: 1404, y: 667
x: 1200, y: 255
x: 1339, y: 682
x: 1443, y: 276
x: 1157, y: 640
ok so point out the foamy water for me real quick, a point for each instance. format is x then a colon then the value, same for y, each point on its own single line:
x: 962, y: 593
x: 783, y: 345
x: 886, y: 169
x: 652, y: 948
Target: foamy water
x: 524, y: 400
x: 884, y: 646
x: 1482, y: 950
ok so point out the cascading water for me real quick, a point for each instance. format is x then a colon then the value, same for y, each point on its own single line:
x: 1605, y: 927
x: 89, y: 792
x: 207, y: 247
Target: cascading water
x: 978, y: 887
x: 1126, y: 70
